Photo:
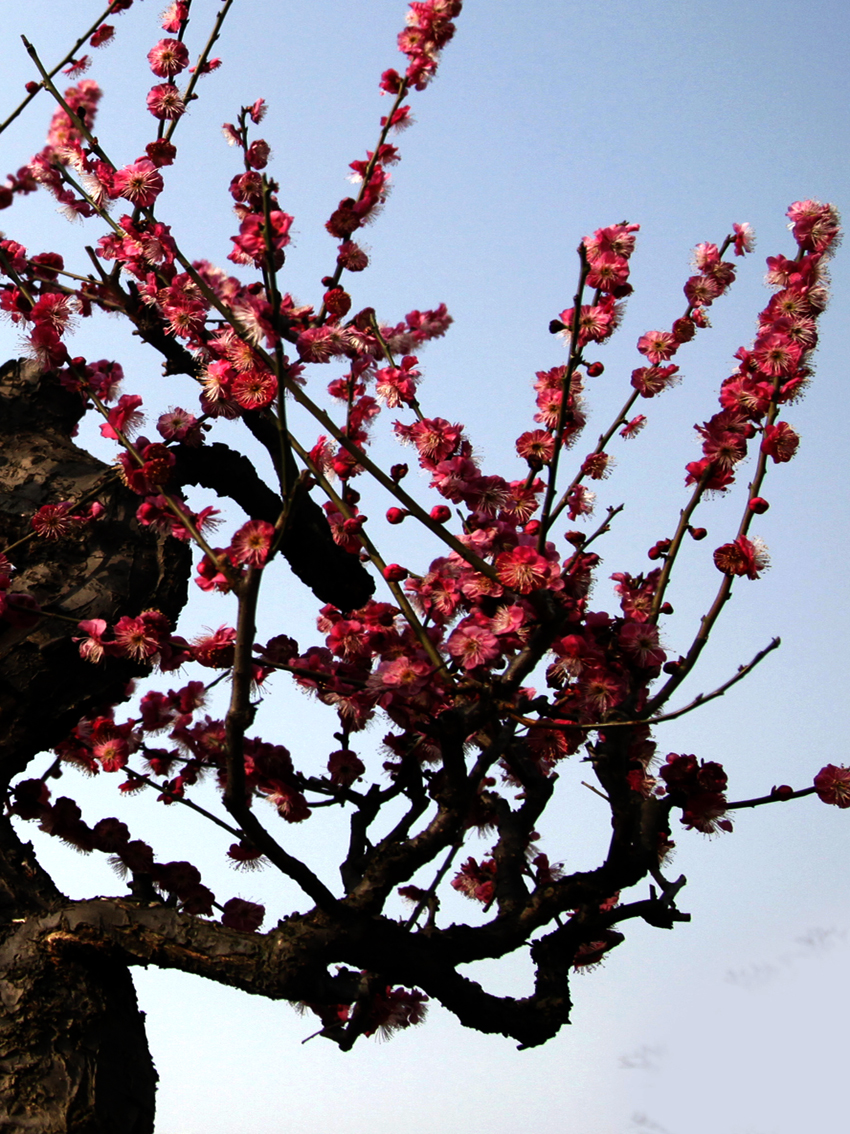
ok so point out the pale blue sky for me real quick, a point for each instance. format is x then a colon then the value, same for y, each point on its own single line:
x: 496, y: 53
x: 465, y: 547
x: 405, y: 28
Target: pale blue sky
x: 547, y: 120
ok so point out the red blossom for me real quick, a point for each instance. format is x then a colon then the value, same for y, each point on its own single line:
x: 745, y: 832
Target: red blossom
x: 252, y: 543
x: 633, y: 427
x: 477, y: 882
x: 123, y: 418
x: 345, y: 767
x: 215, y: 649
x: 247, y: 917
x: 52, y: 521
x: 743, y: 557
x: 523, y: 569
x: 832, y: 784
x: 780, y: 442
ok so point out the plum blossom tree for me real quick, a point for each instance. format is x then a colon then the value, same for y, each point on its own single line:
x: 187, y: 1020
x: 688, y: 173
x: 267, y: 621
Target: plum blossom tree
x: 484, y: 667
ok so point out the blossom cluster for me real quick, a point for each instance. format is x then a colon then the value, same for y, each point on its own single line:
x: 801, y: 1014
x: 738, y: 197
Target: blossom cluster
x: 63, y: 819
x: 445, y: 664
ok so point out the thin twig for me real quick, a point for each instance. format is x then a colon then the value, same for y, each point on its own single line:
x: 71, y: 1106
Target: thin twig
x: 55, y: 70
x: 700, y: 699
x: 164, y: 790
x: 432, y: 889
x: 725, y: 589
x: 240, y: 714
x: 770, y: 799
x: 188, y: 94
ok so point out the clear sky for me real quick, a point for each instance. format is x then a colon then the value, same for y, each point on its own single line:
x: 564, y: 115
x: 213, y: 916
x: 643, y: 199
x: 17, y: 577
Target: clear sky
x: 547, y: 120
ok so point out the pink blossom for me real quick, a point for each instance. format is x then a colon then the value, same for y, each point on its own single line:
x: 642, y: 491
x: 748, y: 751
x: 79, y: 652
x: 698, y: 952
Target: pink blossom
x: 168, y: 57
x: 102, y: 36
x: 124, y: 418
x: 140, y: 183
x: 651, y: 380
x: 537, y: 447
x: 609, y: 273
x: 815, y: 226
x: 595, y: 324
x: 476, y: 882
x: 345, y: 767
x: 658, y: 346
x: 745, y: 238
x: 618, y: 239
x: 396, y: 385
x: 435, y: 439
x: 112, y: 753
x: 55, y: 310
x: 701, y: 291
x: 580, y: 502
x: 473, y: 645
x: 165, y: 102
x: 255, y: 389
x: 352, y: 257
x: 179, y: 425
x: 174, y: 15
x: 247, y: 917
x: 639, y: 641
x: 77, y: 66
x: 46, y: 347
x: 92, y: 648
x: 776, y: 354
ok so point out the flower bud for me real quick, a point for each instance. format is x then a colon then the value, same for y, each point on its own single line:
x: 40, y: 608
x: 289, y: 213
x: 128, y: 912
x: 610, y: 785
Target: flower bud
x: 758, y: 505
x: 697, y: 533
x: 781, y: 792
x: 394, y: 573
x: 594, y: 369
x: 440, y: 513
x: 399, y: 472
x: 396, y: 515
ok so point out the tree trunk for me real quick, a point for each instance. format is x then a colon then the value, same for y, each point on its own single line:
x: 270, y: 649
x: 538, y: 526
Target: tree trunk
x: 111, y: 568
x: 73, y: 1052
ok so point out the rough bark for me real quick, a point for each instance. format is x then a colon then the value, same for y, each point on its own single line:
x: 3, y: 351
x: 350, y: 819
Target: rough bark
x: 113, y: 567
x: 73, y: 1053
